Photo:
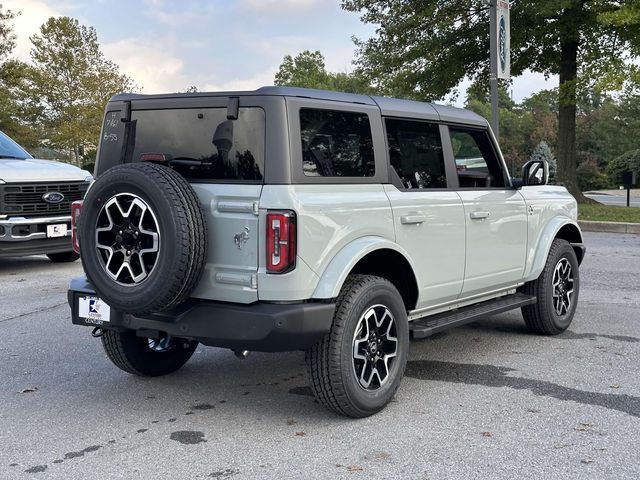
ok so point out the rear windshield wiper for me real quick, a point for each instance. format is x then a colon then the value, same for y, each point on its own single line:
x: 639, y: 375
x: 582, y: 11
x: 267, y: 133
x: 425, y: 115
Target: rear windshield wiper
x: 188, y: 162
x: 12, y: 156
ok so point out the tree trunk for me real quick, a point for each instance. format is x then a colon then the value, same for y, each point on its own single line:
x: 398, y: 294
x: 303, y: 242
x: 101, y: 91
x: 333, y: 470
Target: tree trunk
x: 567, y: 164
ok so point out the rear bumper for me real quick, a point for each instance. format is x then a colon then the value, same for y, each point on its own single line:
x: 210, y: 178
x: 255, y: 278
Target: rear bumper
x: 262, y: 327
x: 28, y: 236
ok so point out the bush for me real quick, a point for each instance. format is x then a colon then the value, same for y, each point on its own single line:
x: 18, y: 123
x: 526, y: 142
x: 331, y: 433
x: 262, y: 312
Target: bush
x: 590, y: 177
x: 624, y: 163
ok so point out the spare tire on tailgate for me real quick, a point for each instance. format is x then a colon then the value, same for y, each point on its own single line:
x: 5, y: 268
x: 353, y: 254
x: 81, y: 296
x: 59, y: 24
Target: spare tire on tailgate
x: 143, y: 237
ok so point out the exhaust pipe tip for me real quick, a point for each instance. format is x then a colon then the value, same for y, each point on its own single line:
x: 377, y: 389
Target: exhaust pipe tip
x: 241, y: 354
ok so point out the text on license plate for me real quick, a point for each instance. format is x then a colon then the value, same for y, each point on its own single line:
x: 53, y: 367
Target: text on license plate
x: 93, y: 309
x: 58, y: 230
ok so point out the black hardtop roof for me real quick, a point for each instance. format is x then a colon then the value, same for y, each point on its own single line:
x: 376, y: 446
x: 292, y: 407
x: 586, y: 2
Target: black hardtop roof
x: 393, y: 107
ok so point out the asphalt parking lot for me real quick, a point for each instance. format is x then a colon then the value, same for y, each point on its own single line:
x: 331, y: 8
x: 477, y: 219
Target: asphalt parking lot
x: 484, y: 401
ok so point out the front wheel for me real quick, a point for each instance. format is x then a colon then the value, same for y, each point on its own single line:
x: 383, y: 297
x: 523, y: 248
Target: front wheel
x: 556, y: 289
x: 357, y: 367
x: 146, y: 357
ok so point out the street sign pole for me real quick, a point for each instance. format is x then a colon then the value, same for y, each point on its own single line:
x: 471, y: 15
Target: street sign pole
x: 500, y: 46
x: 493, y: 31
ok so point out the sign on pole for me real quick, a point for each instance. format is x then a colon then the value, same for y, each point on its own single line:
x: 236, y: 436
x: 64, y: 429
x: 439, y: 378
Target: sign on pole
x: 503, y: 40
x: 500, y: 34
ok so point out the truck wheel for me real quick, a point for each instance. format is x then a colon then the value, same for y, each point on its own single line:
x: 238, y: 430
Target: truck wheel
x: 143, y: 237
x: 63, y: 257
x: 146, y: 357
x: 357, y: 367
x: 557, y: 290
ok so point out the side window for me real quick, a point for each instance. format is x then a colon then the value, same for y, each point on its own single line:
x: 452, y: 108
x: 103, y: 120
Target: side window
x: 415, y: 151
x: 336, y: 143
x: 476, y: 160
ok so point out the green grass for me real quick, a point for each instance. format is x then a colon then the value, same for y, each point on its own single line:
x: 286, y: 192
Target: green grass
x: 608, y: 213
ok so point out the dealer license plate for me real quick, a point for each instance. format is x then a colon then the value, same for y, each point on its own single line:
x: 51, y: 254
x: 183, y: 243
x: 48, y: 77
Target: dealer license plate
x: 93, y: 310
x: 54, y: 231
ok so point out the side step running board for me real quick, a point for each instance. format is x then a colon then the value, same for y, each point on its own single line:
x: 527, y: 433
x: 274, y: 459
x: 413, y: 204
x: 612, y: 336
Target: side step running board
x: 436, y: 323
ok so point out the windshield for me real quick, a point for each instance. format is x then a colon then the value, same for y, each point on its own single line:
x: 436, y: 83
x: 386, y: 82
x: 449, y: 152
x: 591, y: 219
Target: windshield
x: 10, y: 149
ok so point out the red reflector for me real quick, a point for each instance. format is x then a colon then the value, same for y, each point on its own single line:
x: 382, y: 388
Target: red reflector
x: 76, y: 208
x: 281, y: 241
x: 153, y: 157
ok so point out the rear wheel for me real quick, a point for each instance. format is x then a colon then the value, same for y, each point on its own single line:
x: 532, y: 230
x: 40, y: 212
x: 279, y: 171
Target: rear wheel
x: 63, y: 257
x: 557, y: 289
x: 357, y: 367
x: 146, y: 357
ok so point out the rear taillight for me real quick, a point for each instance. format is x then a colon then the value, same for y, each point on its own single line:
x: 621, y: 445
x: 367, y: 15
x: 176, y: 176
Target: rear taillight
x: 76, y: 207
x: 281, y: 241
x: 153, y: 157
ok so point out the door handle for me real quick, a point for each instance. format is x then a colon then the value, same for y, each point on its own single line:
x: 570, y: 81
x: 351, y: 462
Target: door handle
x: 479, y: 215
x: 413, y: 219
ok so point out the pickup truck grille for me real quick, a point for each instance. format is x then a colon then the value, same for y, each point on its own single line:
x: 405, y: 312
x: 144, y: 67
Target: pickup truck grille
x: 26, y: 199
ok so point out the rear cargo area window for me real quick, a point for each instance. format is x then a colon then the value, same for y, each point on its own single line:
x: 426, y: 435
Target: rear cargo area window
x: 201, y: 143
x: 336, y: 144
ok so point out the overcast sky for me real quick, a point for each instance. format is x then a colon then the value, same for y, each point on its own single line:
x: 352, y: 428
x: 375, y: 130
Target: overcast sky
x: 168, y: 45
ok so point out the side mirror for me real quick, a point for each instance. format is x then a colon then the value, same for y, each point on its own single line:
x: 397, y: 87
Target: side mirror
x: 535, y: 172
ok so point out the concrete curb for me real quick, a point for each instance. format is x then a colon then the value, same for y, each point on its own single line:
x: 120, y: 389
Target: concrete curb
x: 610, y: 227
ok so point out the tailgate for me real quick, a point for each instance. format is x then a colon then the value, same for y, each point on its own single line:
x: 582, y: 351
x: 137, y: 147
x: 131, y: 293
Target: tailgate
x: 231, y: 212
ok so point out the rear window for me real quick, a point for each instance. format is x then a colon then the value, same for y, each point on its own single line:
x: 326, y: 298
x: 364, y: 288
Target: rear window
x: 336, y: 144
x: 202, y: 144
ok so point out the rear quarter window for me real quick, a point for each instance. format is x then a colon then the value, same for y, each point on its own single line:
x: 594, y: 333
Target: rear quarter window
x: 336, y: 143
x: 202, y: 144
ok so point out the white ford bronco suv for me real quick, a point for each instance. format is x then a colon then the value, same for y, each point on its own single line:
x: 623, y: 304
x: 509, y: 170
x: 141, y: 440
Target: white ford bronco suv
x: 35, y: 203
x: 291, y: 219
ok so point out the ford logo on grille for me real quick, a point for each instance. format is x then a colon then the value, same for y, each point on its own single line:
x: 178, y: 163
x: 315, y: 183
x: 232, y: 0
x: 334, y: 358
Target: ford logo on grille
x: 53, y: 197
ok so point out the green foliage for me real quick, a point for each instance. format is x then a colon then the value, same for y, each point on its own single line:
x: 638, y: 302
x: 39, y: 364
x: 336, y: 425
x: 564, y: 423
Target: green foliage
x: 16, y: 115
x: 71, y: 81
x: 522, y: 126
x: 543, y: 152
x: 308, y: 70
x: 7, y: 37
x: 606, y: 127
x: 608, y: 213
x: 590, y: 177
x: 423, y: 49
x: 630, y: 161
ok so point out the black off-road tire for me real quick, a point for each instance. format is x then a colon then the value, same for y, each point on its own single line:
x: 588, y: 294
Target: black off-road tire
x: 63, y: 257
x: 132, y: 354
x: 182, y: 232
x: 542, y: 317
x: 330, y: 361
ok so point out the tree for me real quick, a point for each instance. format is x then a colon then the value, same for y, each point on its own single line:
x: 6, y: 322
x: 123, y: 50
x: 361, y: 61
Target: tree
x: 543, y: 152
x: 72, y: 81
x: 7, y: 37
x: 308, y: 70
x: 424, y: 48
x: 515, y: 123
x: 18, y: 115
x: 14, y: 112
